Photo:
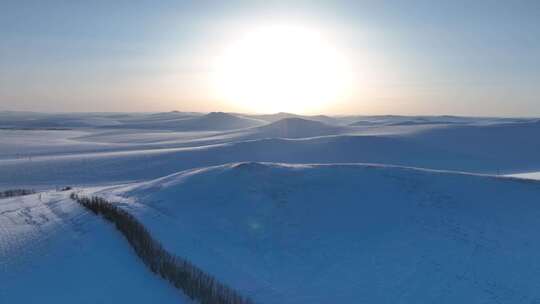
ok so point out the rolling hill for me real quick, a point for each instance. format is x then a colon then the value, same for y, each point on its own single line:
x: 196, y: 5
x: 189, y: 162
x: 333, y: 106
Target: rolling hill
x: 296, y: 128
x: 349, y: 233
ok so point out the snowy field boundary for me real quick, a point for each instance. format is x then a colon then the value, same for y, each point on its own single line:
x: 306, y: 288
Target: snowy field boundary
x: 181, y: 273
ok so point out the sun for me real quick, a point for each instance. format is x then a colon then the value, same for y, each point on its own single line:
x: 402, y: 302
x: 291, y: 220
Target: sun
x: 282, y: 69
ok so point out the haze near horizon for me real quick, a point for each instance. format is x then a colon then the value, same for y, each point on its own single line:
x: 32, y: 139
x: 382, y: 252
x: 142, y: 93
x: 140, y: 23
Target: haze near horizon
x: 333, y: 57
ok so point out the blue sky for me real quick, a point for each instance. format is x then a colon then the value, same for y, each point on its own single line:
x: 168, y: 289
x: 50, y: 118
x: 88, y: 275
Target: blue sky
x: 430, y: 57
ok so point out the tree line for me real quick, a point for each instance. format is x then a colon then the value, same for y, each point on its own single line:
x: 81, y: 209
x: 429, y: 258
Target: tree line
x: 15, y: 192
x: 192, y: 280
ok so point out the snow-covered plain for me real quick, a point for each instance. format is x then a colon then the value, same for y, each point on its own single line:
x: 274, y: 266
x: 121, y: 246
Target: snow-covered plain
x: 114, y: 153
x: 282, y: 207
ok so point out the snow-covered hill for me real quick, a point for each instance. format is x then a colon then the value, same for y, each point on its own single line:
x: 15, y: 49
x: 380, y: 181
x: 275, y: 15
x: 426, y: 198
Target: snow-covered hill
x: 397, y: 120
x: 296, y: 128
x: 55, y: 160
x: 281, y: 115
x: 284, y: 233
x: 181, y: 122
x: 221, y: 121
x: 349, y: 233
x: 176, y: 121
x: 281, y: 233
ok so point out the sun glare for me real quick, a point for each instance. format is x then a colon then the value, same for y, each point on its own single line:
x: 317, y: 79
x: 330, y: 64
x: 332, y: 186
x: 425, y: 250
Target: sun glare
x: 282, y: 68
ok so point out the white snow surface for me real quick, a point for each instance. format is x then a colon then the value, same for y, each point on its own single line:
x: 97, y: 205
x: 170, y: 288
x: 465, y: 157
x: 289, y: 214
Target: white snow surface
x: 42, y: 158
x: 54, y: 251
x: 278, y: 206
x: 349, y: 233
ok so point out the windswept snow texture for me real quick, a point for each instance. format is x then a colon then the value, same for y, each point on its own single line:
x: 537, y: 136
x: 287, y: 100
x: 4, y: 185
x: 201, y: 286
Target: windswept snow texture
x: 350, y: 233
x: 54, y: 251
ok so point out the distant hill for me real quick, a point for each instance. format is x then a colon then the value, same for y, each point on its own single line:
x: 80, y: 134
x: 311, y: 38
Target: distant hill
x: 297, y: 128
x: 282, y: 115
x: 178, y: 121
x: 219, y: 121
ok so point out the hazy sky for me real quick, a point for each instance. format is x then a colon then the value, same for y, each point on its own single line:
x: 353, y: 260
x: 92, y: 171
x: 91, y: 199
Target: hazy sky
x: 409, y: 57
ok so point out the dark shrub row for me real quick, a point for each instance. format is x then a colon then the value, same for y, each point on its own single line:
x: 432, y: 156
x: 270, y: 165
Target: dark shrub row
x: 16, y: 192
x: 194, y: 282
